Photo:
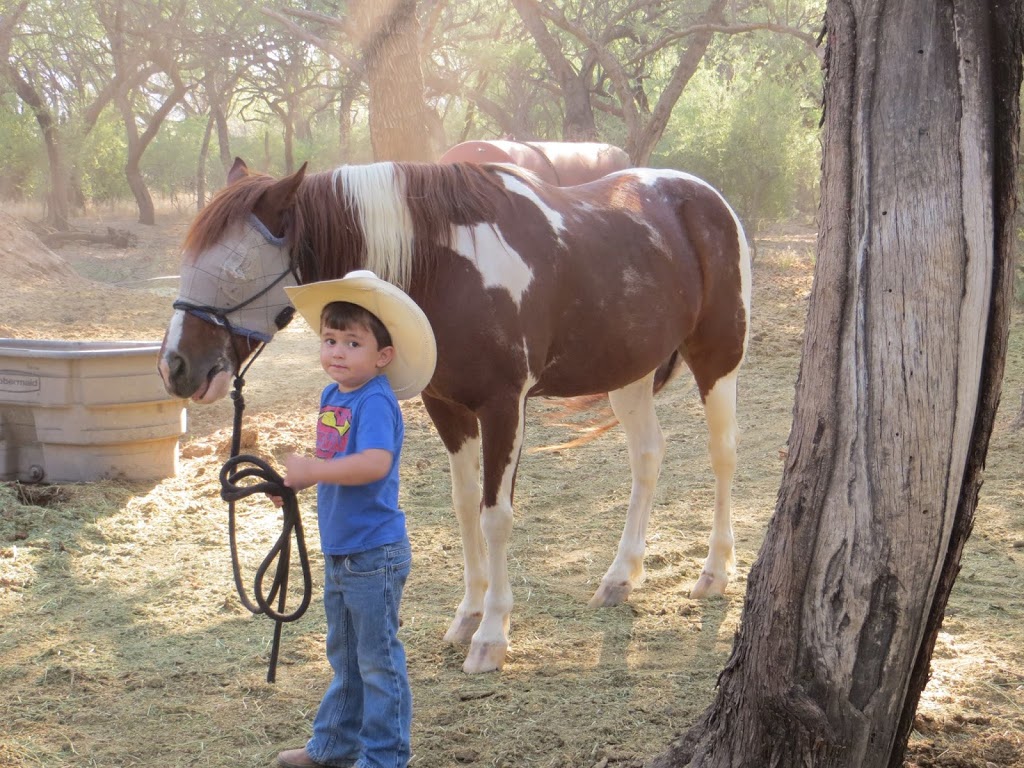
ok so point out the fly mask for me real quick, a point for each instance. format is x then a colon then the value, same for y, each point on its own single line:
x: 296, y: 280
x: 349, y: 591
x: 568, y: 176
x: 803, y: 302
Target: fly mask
x: 238, y: 283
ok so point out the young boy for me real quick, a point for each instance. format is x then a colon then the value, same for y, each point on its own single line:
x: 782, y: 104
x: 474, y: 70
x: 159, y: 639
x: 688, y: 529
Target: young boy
x: 367, y: 328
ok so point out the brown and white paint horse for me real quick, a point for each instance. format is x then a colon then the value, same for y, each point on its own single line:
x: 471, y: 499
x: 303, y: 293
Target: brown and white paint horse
x: 531, y: 290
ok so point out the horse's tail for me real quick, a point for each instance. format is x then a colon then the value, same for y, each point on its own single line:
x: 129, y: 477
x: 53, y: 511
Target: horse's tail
x: 664, y: 374
x: 590, y: 433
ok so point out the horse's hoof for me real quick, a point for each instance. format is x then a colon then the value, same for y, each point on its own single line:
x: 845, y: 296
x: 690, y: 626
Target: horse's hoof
x: 608, y: 595
x: 462, y: 629
x: 485, y: 657
x: 709, y: 586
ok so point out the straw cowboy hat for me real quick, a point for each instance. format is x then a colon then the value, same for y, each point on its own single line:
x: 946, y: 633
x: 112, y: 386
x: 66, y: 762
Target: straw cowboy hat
x: 415, y: 350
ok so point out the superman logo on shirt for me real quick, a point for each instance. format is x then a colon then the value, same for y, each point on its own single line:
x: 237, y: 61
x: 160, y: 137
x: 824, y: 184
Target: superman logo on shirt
x: 332, y: 431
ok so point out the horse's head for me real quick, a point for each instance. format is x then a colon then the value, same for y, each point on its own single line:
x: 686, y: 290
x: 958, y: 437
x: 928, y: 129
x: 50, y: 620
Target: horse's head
x: 237, y: 262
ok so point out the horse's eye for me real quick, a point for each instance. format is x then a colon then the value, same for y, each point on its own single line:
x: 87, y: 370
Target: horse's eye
x: 284, y: 317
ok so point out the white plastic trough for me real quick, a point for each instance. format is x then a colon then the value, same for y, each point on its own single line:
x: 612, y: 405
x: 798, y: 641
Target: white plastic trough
x: 75, y: 411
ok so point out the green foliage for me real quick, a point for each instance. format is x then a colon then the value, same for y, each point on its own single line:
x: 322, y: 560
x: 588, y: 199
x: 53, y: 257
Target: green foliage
x: 746, y: 122
x: 262, y: 149
x: 23, y: 173
x: 322, y: 148
x: 756, y: 140
x: 170, y: 162
x: 100, y: 160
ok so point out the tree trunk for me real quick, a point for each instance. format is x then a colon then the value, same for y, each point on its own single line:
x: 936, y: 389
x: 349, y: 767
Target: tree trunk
x: 388, y: 34
x: 137, y: 184
x: 204, y: 153
x: 223, y: 139
x: 578, y: 119
x: 58, y: 209
x: 138, y: 143
x: 641, y: 142
x: 218, y: 118
x: 288, y: 121
x: 897, y: 392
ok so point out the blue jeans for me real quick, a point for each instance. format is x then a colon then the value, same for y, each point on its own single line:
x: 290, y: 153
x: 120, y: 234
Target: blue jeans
x: 365, y: 717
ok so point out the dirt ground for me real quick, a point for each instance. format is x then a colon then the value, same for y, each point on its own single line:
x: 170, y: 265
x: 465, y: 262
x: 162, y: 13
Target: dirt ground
x: 123, y: 643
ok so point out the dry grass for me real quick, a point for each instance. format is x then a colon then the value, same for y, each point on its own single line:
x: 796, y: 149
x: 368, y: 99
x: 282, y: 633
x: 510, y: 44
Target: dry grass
x: 123, y: 643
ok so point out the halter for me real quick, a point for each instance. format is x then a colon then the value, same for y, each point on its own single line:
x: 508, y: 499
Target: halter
x: 212, y: 281
x: 219, y: 316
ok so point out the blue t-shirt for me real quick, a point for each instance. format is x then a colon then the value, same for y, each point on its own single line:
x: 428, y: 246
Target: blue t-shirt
x: 355, y: 518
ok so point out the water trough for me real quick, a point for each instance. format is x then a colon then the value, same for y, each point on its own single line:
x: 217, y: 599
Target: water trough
x: 75, y: 411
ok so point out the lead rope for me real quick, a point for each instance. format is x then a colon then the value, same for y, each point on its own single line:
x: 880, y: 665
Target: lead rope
x: 272, y: 483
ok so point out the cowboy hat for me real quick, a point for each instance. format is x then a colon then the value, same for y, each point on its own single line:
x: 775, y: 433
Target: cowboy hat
x: 415, y: 350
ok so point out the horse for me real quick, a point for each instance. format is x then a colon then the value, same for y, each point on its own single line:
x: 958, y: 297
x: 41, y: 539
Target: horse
x: 531, y: 289
x: 565, y: 163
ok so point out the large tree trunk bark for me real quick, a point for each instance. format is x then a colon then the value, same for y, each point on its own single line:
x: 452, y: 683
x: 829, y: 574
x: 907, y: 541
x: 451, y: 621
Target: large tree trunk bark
x: 389, y: 37
x: 899, y: 383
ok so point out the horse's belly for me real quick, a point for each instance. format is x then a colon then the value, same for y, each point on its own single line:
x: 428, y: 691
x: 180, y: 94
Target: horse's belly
x: 597, y: 372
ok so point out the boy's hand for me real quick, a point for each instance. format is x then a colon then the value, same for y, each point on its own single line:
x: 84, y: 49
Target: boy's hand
x: 300, y: 471
x: 278, y: 501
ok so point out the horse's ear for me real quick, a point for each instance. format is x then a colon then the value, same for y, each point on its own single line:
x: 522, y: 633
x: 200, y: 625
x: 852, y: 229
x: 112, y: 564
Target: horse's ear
x: 277, y: 199
x: 238, y: 170
x: 281, y: 194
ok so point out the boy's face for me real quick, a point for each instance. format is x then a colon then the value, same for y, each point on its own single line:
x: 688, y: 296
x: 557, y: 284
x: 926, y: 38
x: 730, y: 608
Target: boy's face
x: 351, y: 356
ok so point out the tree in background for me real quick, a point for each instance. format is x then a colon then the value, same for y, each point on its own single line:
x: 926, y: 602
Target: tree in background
x: 55, y: 64
x: 57, y: 206
x: 378, y: 42
x: 387, y: 34
x: 480, y: 73
x: 224, y: 36
x: 634, y: 60
x: 748, y: 123
x: 69, y: 68
x: 301, y: 87
x: 897, y: 393
x: 145, y: 38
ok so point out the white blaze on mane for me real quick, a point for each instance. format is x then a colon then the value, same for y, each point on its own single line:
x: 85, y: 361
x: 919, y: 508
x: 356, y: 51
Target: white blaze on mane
x: 498, y: 263
x: 377, y: 192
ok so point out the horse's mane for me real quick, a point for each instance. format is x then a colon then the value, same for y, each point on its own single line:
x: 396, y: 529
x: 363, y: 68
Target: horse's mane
x: 387, y: 217
x: 392, y: 217
x: 232, y: 203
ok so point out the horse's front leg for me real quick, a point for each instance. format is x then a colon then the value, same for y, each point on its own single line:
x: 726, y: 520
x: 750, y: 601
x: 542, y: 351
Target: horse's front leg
x: 634, y: 408
x: 460, y: 434
x: 502, y: 431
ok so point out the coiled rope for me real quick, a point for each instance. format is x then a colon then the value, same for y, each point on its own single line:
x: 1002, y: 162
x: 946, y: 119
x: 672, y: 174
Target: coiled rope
x: 268, y: 482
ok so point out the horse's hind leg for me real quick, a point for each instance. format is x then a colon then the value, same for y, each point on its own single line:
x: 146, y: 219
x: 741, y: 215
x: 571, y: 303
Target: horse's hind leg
x: 634, y: 408
x: 460, y: 434
x: 720, y: 410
